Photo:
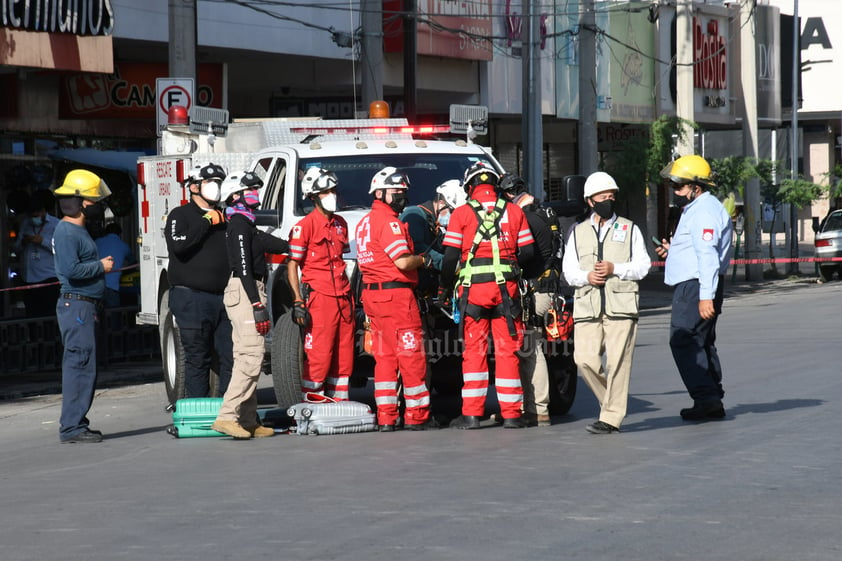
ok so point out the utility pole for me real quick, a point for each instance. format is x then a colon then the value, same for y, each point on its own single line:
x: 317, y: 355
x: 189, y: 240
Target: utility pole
x: 410, y: 60
x: 793, y: 141
x: 371, y: 65
x: 684, y: 104
x: 588, y: 159
x: 748, y: 77
x: 182, y: 54
x: 533, y: 131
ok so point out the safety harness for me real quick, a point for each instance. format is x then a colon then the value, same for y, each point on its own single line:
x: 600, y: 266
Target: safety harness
x: 484, y: 269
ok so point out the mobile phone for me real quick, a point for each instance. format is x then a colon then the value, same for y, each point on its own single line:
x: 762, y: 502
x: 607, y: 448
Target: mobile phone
x: 656, y: 241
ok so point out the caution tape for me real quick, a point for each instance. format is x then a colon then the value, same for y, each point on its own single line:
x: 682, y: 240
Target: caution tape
x: 770, y: 261
x: 54, y: 283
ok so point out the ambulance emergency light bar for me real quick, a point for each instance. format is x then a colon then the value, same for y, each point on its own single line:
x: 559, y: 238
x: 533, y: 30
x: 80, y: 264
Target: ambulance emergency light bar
x: 403, y: 129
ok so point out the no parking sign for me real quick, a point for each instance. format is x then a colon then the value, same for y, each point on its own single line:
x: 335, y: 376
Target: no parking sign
x: 169, y: 92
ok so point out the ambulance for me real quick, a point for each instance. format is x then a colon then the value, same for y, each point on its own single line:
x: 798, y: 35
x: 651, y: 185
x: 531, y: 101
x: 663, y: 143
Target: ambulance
x: 279, y: 151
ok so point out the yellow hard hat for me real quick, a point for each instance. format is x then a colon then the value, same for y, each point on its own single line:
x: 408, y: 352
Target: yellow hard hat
x: 85, y: 184
x: 689, y: 169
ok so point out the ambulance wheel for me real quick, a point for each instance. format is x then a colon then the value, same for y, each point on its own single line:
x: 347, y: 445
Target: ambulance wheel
x: 173, y: 359
x: 563, y: 381
x: 172, y: 353
x: 287, y: 361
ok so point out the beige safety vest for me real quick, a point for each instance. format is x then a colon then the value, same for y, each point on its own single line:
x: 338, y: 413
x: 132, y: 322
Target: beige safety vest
x: 621, y: 296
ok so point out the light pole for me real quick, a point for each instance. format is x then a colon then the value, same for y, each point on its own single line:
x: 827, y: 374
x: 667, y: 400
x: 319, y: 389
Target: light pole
x: 793, y: 143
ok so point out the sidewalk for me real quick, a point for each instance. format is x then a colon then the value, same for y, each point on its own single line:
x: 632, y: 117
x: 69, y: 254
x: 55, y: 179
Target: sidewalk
x: 18, y: 386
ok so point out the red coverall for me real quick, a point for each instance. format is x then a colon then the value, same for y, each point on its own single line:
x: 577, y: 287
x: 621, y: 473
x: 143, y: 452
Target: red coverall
x: 317, y: 243
x: 514, y: 233
x: 389, y: 301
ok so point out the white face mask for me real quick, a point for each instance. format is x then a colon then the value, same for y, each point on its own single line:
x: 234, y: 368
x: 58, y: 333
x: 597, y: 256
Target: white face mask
x: 210, y: 191
x: 329, y: 202
x: 444, y: 218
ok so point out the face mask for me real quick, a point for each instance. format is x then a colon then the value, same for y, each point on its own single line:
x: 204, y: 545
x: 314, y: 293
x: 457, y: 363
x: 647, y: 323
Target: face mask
x: 210, y: 191
x: 681, y: 200
x: 444, y: 218
x: 328, y: 202
x: 251, y: 199
x: 94, y: 212
x: 37, y: 220
x: 398, y: 202
x: 605, y: 209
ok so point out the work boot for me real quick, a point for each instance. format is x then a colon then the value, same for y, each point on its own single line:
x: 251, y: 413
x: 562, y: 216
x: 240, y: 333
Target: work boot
x: 515, y: 423
x: 231, y: 428
x: 703, y: 411
x: 429, y: 424
x: 543, y: 420
x: 601, y: 427
x: 260, y: 431
x: 465, y: 422
x: 85, y: 436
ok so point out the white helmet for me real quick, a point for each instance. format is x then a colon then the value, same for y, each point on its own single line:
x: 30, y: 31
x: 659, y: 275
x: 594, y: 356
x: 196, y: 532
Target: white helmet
x: 239, y: 181
x: 452, y: 193
x: 317, y: 180
x: 389, y: 178
x: 598, y: 182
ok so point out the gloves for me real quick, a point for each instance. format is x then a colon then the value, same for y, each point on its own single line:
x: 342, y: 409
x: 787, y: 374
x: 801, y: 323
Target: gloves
x: 300, y: 315
x: 214, y: 216
x: 428, y: 261
x: 443, y: 297
x: 261, y: 318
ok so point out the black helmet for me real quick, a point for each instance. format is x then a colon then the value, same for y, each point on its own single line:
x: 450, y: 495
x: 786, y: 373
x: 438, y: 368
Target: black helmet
x: 479, y: 174
x: 512, y: 184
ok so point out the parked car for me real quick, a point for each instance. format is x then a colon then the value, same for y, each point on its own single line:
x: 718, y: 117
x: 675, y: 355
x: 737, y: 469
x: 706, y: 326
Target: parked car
x: 829, y: 244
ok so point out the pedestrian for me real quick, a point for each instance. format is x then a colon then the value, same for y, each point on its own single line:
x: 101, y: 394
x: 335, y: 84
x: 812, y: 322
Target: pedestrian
x: 322, y: 302
x: 541, y: 276
x: 390, y: 276
x: 112, y: 244
x: 35, y: 247
x: 488, y: 239
x: 245, y: 302
x: 697, y: 259
x: 198, y: 273
x: 81, y: 273
x: 605, y: 258
x: 427, y: 223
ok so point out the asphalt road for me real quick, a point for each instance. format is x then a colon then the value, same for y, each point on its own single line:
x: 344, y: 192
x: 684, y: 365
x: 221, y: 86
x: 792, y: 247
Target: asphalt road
x: 762, y: 484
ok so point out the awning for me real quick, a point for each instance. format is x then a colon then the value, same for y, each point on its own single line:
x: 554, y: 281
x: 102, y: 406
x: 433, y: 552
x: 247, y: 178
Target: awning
x: 108, y: 159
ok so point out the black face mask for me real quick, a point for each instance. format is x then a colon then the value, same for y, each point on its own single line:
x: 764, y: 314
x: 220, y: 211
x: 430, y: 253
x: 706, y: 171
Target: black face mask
x: 398, y: 202
x: 94, y: 212
x: 680, y: 201
x: 605, y: 209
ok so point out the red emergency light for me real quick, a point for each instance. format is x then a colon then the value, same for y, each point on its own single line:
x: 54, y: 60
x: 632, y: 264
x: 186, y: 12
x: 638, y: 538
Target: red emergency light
x: 141, y: 174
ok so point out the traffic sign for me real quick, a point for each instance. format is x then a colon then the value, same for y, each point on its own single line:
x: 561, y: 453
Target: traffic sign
x: 169, y: 92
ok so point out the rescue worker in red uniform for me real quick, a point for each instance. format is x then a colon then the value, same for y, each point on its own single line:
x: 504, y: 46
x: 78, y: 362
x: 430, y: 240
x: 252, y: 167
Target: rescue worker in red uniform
x: 389, y: 268
x: 322, y: 299
x: 488, y: 238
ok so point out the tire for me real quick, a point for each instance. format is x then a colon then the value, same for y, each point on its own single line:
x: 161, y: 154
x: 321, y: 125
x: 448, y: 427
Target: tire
x: 287, y: 361
x: 172, y: 355
x: 447, y: 376
x: 826, y: 272
x: 563, y: 379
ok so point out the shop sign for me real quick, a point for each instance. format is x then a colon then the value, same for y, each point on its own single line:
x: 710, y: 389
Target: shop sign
x: 79, y: 17
x: 446, y: 28
x: 710, y: 62
x: 129, y: 93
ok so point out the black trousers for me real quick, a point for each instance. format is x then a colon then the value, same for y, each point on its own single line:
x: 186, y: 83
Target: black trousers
x: 693, y: 343
x: 204, y: 328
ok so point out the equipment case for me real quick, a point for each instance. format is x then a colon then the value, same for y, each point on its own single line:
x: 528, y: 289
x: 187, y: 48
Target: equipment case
x: 193, y: 417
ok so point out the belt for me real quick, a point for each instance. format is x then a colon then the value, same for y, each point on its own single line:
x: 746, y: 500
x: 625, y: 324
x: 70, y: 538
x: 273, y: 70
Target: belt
x: 71, y: 296
x: 387, y: 285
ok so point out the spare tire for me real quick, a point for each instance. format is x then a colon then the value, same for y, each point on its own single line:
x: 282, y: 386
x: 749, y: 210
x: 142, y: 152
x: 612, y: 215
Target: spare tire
x: 287, y: 361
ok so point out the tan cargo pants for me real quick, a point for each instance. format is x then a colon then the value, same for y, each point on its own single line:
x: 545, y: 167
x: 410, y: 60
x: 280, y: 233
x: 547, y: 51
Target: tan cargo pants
x: 240, y: 400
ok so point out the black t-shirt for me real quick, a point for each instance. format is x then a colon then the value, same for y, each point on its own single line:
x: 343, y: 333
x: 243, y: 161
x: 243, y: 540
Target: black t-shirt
x: 246, y: 247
